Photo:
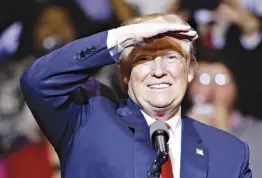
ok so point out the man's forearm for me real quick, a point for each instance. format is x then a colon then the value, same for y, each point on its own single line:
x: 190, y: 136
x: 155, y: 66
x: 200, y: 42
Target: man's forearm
x: 63, y: 70
x: 51, y: 81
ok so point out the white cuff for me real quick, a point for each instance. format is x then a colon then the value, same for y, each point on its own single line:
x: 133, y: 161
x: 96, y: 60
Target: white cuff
x: 112, y: 45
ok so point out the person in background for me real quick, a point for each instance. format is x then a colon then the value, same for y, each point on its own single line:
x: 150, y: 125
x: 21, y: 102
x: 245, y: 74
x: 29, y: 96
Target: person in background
x: 243, y: 41
x: 213, y: 97
x: 53, y: 29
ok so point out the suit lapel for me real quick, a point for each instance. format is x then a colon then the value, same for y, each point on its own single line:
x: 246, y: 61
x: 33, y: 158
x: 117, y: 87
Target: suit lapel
x: 143, y: 151
x: 194, y: 155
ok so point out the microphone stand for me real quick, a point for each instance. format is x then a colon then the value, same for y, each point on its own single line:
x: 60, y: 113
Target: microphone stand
x: 155, y: 170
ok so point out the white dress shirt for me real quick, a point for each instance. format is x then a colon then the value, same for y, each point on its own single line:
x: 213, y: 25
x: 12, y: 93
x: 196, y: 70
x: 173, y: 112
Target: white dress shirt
x: 174, y: 142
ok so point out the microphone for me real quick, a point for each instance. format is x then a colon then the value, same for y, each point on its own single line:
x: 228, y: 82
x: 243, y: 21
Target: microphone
x: 159, y: 137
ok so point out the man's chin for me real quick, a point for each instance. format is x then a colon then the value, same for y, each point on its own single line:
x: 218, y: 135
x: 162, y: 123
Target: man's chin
x: 160, y: 105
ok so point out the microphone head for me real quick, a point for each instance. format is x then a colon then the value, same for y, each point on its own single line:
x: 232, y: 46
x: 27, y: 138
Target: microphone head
x: 158, y: 126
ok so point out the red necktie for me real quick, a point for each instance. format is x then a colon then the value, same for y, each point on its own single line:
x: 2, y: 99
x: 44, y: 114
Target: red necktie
x: 167, y: 171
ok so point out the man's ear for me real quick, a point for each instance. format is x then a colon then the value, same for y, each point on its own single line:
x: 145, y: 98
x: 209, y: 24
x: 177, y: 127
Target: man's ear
x: 123, y: 78
x: 191, y: 74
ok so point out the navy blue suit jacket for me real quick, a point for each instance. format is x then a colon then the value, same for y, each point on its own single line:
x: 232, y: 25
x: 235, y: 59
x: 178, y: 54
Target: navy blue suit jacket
x: 96, y: 137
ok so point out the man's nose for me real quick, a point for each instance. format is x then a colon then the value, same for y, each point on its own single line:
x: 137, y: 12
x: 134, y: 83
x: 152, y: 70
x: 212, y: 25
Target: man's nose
x: 158, y: 68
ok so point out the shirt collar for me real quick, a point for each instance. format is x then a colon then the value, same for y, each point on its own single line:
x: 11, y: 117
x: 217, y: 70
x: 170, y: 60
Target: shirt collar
x: 173, y: 122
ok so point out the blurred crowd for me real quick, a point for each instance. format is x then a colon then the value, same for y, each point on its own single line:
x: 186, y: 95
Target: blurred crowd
x: 226, y: 92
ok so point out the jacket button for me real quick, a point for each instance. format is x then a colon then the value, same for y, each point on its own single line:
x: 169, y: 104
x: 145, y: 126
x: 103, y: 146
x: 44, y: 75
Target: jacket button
x: 93, y: 49
x: 87, y: 51
x: 77, y: 57
x: 82, y: 54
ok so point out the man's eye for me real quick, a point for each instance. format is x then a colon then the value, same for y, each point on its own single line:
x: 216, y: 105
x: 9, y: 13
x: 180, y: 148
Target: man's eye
x: 172, y: 57
x: 144, y: 58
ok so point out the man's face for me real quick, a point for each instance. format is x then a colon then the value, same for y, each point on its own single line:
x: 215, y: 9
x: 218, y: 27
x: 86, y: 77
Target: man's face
x: 53, y: 29
x: 160, y: 75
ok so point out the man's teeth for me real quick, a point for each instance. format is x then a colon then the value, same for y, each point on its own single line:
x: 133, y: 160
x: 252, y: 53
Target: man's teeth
x: 159, y: 86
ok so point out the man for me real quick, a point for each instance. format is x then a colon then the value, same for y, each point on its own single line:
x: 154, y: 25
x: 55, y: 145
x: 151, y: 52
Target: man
x: 95, y: 137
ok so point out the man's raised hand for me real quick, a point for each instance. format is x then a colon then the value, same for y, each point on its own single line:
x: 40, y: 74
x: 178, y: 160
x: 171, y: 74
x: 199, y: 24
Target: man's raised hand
x: 130, y: 35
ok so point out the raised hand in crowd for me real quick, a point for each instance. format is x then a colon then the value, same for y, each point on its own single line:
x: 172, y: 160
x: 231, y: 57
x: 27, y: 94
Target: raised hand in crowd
x: 236, y: 13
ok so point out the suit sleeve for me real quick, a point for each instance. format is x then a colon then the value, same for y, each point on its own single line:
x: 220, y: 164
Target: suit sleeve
x: 245, y: 170
x: 50, y: 85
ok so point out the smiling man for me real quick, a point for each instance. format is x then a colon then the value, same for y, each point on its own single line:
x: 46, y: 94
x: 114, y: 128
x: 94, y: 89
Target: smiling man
x: 160, y: 73
x: 96, y: 137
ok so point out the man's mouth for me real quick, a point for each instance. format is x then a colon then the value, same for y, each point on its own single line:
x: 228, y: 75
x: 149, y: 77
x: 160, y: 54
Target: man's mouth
x: 159, y: 86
